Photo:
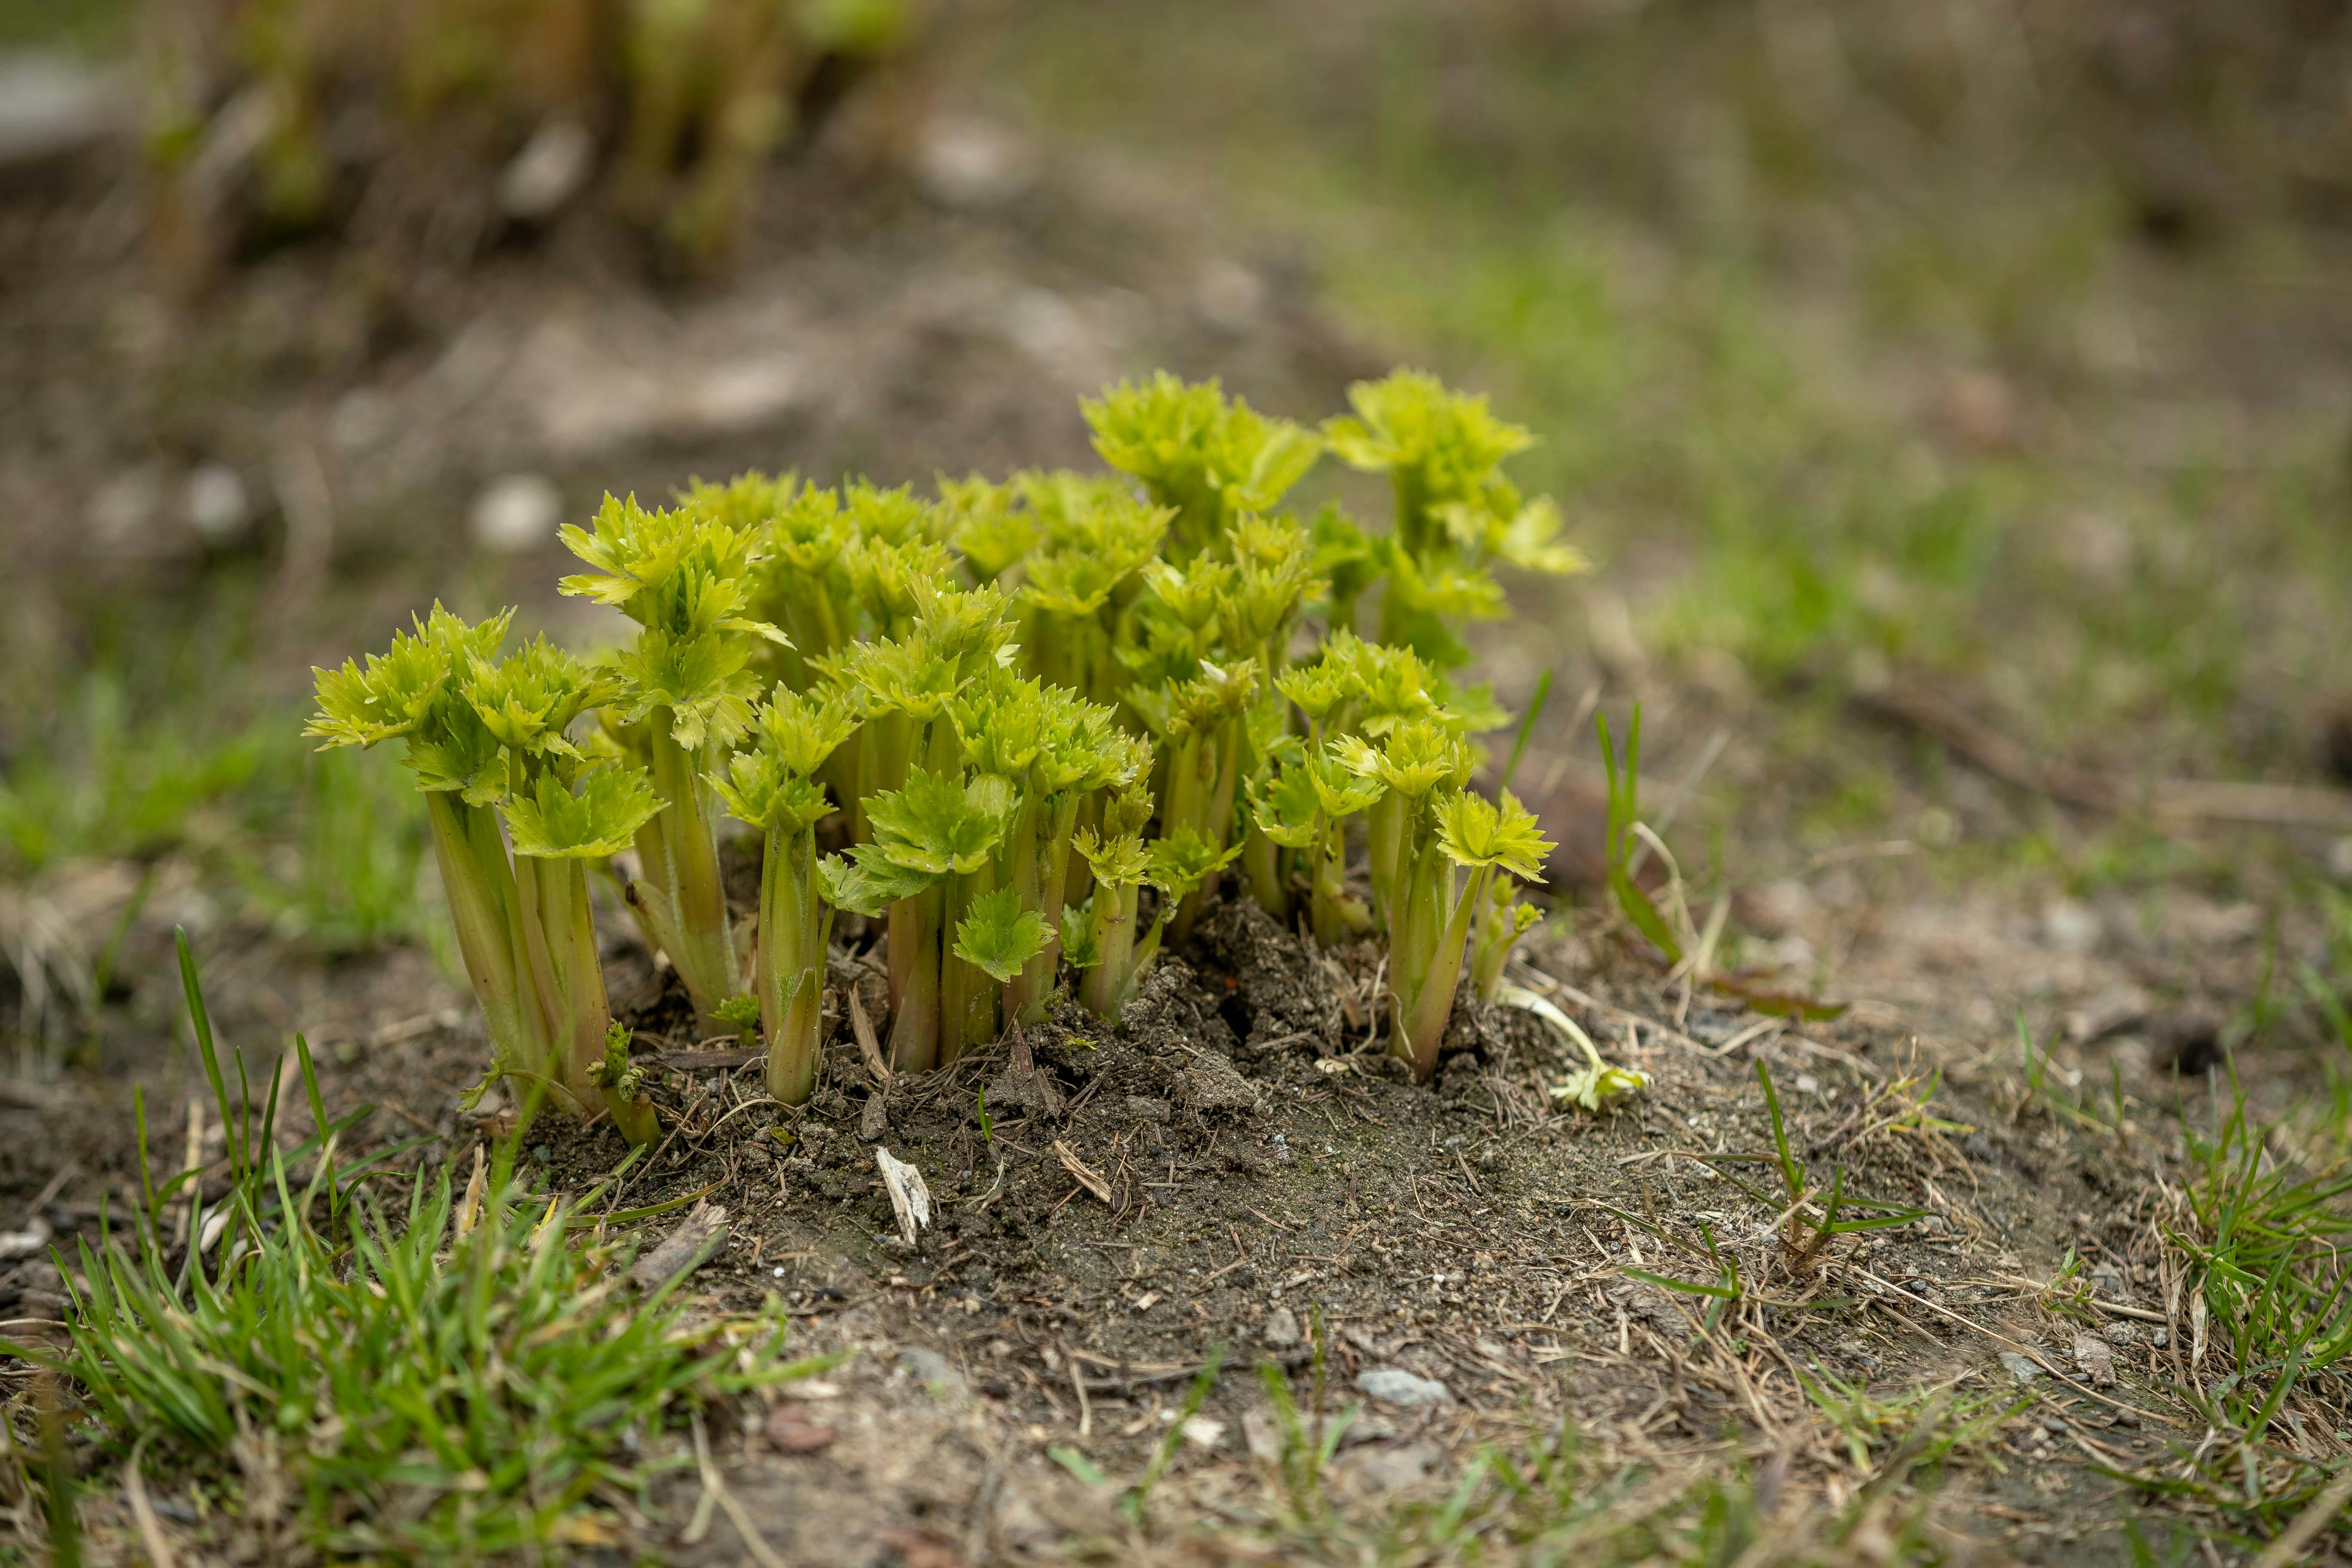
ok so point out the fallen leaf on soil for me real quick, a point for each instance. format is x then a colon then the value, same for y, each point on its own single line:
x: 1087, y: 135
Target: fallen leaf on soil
x: 793, y: 1433
x: 2096, y: 1357
x: 685, y: 1249
x: 1086, y: 1176
x: 910, y: 1199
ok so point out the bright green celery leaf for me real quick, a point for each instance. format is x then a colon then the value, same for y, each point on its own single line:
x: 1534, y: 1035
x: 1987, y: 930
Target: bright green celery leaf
x: 883, y: 577
x: 1395, y: 683
x: 1416, y: 758
x: 999, y: 936
x: 458, y: 753
x: 600, y: 820
x: 808, y: 533
x: 1470, y: 710
x: 1096, y: 512
x: 1340, y: 790
x: 698, y: 558
x: 801, y: 729
x: 1219, y: 692
x: 1081, y: 943
x: 1442, y: 587
x: 1118, y: 860
x: 1191, y: 595
x: 936, y: 824
x: 1075, y: 582
x: 1182, y: 860
x: 395, y: 692
x: 1445, y: 445
x: 967, y: 625
x: 1475, y: 831
x: 1317, y: 688
x: 1191, y: 446
x: 704, y: 680
x: 1085, y: 749
x: 1274, y: 576
x: 762, y: 789
x: 986, y: 527
x: 527, y: 699
x: 1341, y: 553
x: 868, y: 885
x: 894, y: 516
x: 906, y: 674
x: 749, y: 503
x: 1286, y: 809
x: 1003, y: 722
x: 1527, y: 537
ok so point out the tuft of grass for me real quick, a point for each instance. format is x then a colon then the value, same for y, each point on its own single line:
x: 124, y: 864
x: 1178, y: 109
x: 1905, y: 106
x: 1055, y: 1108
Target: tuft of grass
x: 429, y: 1379
x: 351, y: 882
x: 2267, y: 1317
x: 107, y: 782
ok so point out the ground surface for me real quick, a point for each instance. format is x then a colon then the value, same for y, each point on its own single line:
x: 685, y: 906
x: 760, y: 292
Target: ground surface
x: 2130, y: 557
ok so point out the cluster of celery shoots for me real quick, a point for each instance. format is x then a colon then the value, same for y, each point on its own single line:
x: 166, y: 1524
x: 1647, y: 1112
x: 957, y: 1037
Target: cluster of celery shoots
x: 990, y: 721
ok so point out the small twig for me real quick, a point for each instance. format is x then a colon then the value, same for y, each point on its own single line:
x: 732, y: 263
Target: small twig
x: 151, y: 1530
x: 2307, y: 1524
x: 714, y: 1490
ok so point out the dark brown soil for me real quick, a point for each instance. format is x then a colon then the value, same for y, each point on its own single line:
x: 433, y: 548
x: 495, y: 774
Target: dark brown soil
x: 1233, y: 1163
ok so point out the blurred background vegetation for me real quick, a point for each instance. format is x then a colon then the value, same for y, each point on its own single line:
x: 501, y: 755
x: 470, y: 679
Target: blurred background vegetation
x: 1999, y: 351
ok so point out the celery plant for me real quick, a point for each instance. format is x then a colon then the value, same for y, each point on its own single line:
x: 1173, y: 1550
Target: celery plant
x: 488, y: 741
x: 684, y: 694
x: 1099, y: 937
x: 1455, y: 512
x: 773, y: 787
x: 1431, y: 916
x: 1210, y: 460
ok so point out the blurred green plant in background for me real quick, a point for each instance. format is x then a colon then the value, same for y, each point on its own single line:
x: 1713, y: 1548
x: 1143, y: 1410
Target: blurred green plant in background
x: 269, y: 118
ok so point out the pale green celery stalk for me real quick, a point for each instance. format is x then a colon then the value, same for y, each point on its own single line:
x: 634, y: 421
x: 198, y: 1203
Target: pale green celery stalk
x: 1421, y: 1016
x: 1103, y: 992
x: 1328, y: 904
x: 1501, y: 923
x: 1262, y: 862
x: 1216, y: 819
x: 481, y: 893
x: 795, y: 925
x: 969, y: 995
x: 696, y: 913
x: 579, y: 1007
x: 1384, y: 826
x: 1078, y: 881
x: 884, y: 748
x: 536, y: 938
x: 1041, y: 853
x: 914, y: 937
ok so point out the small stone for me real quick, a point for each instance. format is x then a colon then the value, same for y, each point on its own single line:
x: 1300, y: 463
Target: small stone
x: 2072, y: 926
x: 548, y: 171
x: 1145, y: 1108
x: 1395, y: 1386
x: 1214, y: 1083
x: 51, y: 104
x: 1202, y: 1432
x: 964, y: 162
x: 2096, y: 1357
x: 929, y: 1368
x: 2023, y: 1370
x: 2122, y: 1333
x: 218, y: 508
x: 515, y: 514
x: 1387, y: 1468
x: 791, y: 1432
x: 1281, y: 1329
